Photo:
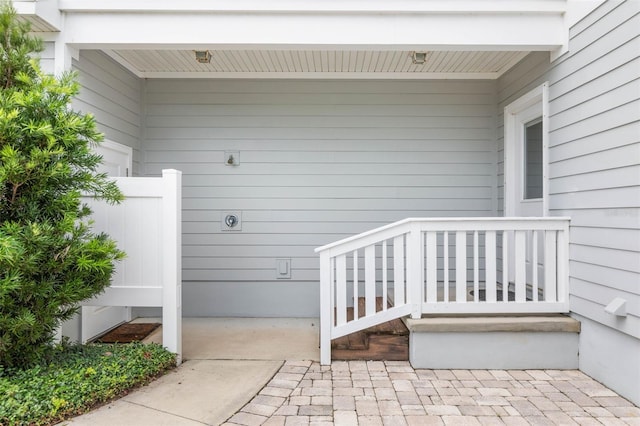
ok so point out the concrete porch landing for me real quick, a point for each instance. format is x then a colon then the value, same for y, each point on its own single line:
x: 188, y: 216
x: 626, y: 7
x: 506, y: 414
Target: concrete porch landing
x: 261, y: 390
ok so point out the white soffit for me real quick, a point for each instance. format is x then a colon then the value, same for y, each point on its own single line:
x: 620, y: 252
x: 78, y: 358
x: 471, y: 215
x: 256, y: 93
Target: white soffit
x: 317, y: 64
x: 37, y: 24
x: 316, y: 38
x: 44, y: 16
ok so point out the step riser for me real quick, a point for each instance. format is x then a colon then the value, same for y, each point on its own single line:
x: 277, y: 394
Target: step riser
x: 486, y: 342
x: 388, y: 341
x: 380, y: 348
x: 493, y: 350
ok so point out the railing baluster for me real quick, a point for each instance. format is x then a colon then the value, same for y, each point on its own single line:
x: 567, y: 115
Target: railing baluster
x: 332, y: 289
x: 341, y: 289
x: 384, y: 275
x: 461, y: 266
x: 398, y: 271
x: 432, y: 266
x: 445, y: 247
x: 356, y: 285
x: 476, y: 267
x: 534, y: 265
x: 490, y: 262
x: 520, y: 264
x: 370, y: 280
x: 550, y: 281
x: 505, y: 266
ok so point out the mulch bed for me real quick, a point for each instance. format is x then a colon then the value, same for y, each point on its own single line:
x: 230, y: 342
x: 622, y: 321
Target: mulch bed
x: 127, y: 333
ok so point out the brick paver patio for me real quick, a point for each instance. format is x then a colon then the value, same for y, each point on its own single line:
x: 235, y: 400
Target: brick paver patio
x: 393, y: 393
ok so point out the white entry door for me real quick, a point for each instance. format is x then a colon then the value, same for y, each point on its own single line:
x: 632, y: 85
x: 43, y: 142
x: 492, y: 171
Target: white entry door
x: 116, y: 161
x: 525, y: 144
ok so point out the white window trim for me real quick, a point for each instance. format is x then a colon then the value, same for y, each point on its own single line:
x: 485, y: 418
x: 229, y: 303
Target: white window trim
x: 513, y: 125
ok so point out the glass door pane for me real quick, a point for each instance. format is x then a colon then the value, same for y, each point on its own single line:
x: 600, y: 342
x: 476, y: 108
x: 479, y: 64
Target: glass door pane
x: 533, y: 160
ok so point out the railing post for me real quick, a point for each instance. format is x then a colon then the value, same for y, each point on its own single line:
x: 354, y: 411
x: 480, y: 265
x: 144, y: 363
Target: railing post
x: 563, y: 265
x: 325, y: 308
x: 414, y: 270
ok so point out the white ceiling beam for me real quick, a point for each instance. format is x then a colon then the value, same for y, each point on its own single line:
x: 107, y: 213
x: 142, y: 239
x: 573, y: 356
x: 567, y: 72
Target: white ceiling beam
x: 341, y: 6
x: 327, y: 75
x: 416, y: 31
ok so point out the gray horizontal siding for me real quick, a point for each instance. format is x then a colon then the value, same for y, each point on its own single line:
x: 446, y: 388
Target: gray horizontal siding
x: 319, y: 161
x: 47, y: 57
x: 114, y: 96
x: 595, y: 136
x: 595, y: 155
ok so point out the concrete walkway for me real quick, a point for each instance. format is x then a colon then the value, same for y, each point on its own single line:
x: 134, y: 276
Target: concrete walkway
x: 227, y: 362
x: 265, y: 372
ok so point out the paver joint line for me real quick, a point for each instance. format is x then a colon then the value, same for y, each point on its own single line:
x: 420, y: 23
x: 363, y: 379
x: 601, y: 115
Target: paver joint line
x: 393, y: 393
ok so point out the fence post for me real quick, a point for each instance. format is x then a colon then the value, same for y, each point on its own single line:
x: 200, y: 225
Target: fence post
x: 325, y: 308
x: 414, y: 270
x: 172, y: 262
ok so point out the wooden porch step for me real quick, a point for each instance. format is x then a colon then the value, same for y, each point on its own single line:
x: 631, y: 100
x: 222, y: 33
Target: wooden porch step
x: 387, y: 341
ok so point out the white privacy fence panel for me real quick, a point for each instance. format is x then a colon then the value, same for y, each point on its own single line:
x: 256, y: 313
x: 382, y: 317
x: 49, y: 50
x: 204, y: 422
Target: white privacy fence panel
x: 137, y: 225
x: 453, y: 265
x: 147, y: 227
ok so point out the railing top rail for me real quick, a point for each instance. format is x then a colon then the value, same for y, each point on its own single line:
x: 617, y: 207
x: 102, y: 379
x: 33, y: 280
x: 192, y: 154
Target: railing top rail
x: 395, y: 225
x: 451, y: 224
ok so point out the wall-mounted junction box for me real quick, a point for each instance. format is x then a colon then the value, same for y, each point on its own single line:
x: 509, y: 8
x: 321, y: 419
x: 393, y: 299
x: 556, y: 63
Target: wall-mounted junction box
x: 232, y: 158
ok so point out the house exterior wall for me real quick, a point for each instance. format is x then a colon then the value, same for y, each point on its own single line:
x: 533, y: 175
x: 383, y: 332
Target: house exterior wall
x: 319, y: 161
x: 114, y: 96
x: 47, y: 57
x: 594, y: 177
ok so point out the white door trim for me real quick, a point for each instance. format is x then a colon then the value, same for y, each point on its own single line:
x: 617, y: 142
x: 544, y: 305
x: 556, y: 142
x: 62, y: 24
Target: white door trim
x: 120, y: 148
x: 514, y: 124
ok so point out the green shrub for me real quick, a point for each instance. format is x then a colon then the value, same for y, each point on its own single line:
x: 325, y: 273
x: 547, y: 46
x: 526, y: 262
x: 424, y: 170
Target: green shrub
x: 77, y: 378
x: 49, y: 258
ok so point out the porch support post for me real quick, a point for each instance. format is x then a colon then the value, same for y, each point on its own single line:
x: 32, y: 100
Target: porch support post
x: 414, y: 270
x: 64, y: 55
x: 325, y: 309
x: 172, y: 262
x: 62, y: 63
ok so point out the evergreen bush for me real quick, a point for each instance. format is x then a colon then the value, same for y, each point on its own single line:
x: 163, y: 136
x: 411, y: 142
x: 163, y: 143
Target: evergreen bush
x: 49, y: 258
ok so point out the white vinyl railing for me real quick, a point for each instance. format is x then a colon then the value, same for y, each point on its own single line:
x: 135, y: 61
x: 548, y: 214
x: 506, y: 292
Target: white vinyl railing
x: 452, y: 265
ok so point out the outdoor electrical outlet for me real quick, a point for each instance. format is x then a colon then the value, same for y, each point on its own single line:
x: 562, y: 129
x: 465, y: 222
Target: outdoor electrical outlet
x: 283, y: 269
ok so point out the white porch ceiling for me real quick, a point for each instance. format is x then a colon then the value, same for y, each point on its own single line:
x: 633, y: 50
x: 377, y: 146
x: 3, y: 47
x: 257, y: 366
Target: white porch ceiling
x: 307, y: 38
x: 318, y: 63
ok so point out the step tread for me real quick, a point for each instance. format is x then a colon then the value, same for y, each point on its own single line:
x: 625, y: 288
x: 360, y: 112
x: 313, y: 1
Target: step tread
x: 537, y: 323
